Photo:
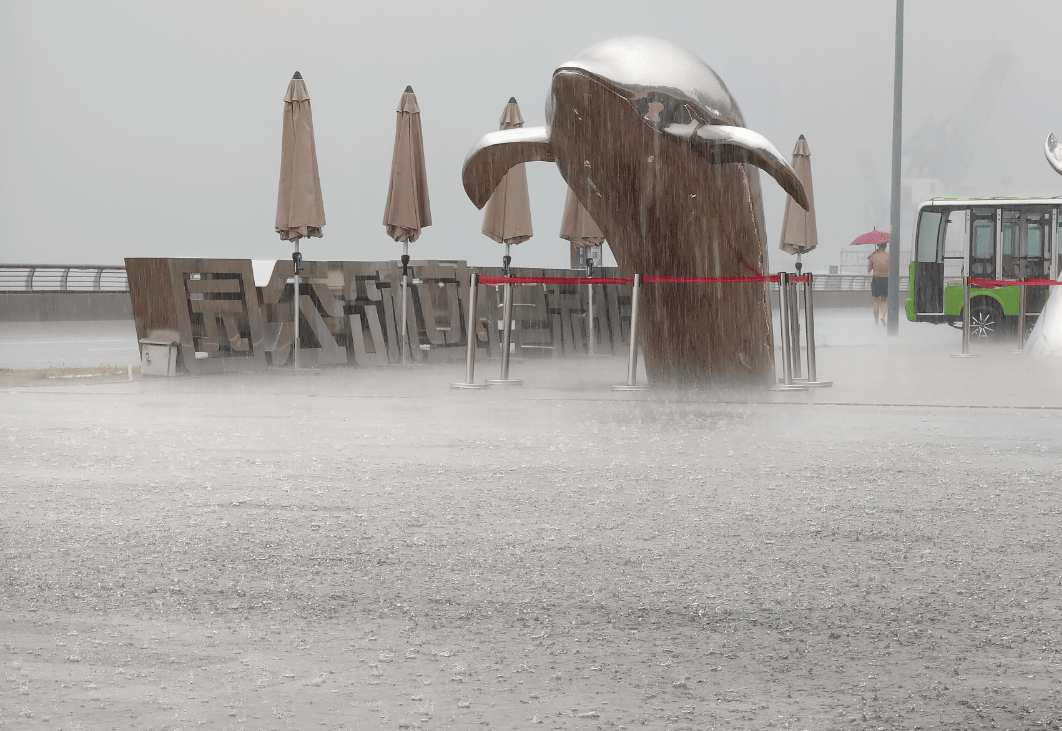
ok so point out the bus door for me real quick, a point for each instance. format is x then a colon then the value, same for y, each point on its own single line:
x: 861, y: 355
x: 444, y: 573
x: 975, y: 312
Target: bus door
x: 929, y: 263
x: 938, y: 256
x: 1033, y: 255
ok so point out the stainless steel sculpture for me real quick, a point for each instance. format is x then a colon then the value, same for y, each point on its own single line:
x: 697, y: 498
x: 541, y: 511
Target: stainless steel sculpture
x: 655, y: 148
x: 1053, y: 153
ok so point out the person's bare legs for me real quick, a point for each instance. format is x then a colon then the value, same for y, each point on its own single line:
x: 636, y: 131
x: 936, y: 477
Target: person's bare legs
x: 879, y: 306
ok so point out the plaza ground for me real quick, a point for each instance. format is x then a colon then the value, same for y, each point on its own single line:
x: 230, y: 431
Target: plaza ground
x: 367, y: 548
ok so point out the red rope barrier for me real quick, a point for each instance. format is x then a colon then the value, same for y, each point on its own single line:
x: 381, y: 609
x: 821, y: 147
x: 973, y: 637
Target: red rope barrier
x: 623, y: 280
x: 554, y: 280
x: 1013, y: 283
x: 801, y: 279
x: 710, y: 280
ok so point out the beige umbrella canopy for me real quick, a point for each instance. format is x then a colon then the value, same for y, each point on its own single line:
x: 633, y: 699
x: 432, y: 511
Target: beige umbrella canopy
x: 300, y: 207
x: 507, y: 218
x: 407, y: 210
x: 799, y: 235
x: 577, y: 226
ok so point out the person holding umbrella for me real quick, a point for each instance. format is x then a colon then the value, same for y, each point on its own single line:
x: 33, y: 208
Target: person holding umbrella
x: 878, y: 263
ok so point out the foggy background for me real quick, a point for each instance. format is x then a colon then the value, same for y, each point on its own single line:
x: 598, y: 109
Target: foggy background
x: 151, y: 129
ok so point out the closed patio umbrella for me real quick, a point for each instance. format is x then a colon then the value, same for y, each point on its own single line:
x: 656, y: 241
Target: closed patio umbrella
x: 507, y: 218
x: 577, y: 226
x: 407, y: 210
x: 580, y: 229
x: 799, y: 233
x: 300, y: 207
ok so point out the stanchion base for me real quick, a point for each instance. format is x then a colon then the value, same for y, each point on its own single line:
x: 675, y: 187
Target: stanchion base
x: 625, y: 387
x: 788, y: 387
x: 505, y: 382
x: 470, y: 386
x: 965, y: 355
x: 812, y: 384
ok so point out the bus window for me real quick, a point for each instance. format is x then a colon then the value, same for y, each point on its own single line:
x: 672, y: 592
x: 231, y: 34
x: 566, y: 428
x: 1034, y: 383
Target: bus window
x: 983, y: 243
x: 954, y: 244
x: 928, y: 248
x: 1009, y: 243
x: 1037, y: 230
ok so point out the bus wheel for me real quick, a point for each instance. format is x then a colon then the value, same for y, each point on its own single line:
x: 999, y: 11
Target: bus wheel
x: 985, y: 320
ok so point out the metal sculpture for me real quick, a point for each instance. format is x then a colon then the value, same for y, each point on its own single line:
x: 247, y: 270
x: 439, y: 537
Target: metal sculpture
x: 653, y: 145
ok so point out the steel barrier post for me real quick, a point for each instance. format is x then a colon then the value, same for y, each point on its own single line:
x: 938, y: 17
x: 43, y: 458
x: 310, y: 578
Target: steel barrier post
x: 507, y: 325
x: 783, y: 336
x: 632, y: 362
x: 786, y: 334
x: 794, y: 329
x: 1021, y: 316
x: 809, y: 324
x: 591, y: 345
x: 471, y: 325
x: 965, y: 322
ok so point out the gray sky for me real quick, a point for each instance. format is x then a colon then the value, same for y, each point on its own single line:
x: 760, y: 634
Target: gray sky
x: 153, y: 129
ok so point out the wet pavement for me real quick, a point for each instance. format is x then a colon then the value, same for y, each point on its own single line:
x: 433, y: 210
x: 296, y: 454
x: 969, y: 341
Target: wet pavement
x: 368, y: 548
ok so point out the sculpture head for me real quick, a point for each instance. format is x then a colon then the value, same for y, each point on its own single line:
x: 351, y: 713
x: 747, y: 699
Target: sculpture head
x: 668, y: 90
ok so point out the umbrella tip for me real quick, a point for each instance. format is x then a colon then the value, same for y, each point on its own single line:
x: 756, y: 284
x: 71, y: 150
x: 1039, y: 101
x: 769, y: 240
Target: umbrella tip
x: 409, y: 90
x: 297, y: 75
x: 512, y: 100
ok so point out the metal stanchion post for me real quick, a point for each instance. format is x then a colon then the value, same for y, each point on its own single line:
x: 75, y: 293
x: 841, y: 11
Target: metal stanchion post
x: 507, y: 326
x: 471, y: 325
x: 794, y: 329
x: 783, y: 336
x: 1021, y: 317
x: 632, y: 362
x: 809, y: 325
x: 965, y: 322
x: 591, y: 345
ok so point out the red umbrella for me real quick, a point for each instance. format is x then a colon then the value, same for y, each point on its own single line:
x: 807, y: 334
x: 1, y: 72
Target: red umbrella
x: 874, y: 237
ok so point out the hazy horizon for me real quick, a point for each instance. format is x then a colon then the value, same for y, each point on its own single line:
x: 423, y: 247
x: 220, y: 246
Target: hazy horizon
x: 148, y: 130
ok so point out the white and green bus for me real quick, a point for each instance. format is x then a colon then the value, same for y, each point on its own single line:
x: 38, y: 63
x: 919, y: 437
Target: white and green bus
x: 984, y: 238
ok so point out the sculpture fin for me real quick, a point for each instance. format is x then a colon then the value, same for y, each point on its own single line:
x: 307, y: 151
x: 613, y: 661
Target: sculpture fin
x: 721, y: 143
x: 1053, y: 152
x: 491, y: 158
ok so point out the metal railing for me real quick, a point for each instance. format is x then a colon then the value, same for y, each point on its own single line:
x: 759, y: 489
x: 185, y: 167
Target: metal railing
x: 847, y: 283
x: 57, y: 278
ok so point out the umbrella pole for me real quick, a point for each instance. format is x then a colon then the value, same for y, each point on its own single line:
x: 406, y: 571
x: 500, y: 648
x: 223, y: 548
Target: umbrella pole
x: 295, y: 347
x: 507, y: 329
x: 404, y: 339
